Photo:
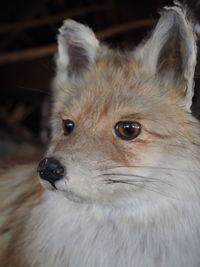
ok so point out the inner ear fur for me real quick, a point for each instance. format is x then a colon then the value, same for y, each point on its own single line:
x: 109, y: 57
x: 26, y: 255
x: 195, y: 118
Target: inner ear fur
x: 170, y: 52
x: 77, y: 47
x: 172, y: 55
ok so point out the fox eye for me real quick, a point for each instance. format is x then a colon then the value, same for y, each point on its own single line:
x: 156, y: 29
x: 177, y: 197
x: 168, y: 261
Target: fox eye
x: 68, y: 126
x: 127, y: 130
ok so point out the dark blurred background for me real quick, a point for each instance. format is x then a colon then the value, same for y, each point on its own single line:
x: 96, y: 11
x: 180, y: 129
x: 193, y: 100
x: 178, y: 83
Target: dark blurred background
x: 28, y: 32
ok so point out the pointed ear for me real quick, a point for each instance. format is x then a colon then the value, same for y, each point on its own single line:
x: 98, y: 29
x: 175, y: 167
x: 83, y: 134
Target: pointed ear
x: 171, y: 51
x: 77, y: 46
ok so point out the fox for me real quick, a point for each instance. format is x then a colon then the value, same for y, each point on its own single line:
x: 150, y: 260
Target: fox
x: 119, y: 184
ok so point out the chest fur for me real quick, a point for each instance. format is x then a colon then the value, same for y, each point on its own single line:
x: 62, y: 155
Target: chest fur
x: 81, y: 236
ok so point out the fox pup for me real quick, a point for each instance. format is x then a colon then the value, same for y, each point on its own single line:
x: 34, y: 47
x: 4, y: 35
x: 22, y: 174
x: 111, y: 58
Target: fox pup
x: 120, y: 183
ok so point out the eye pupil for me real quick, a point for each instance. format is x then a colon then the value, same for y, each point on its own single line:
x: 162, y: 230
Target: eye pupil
x: 127, y: 130
x: 68, y: 126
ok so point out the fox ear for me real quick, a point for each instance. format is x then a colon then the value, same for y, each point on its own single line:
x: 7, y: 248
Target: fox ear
x: 171, y: 51
x: 77, y: 46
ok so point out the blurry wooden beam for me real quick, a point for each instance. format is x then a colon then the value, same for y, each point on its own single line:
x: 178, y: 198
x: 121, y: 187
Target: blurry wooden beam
x: 125, y: 27
x: 53, y: 19
x: 27, y: 54
x: 39, y: 52
x: 27, y: 12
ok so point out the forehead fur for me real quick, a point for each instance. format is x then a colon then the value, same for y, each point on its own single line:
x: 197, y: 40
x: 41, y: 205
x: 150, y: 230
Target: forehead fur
x: 115, y: 83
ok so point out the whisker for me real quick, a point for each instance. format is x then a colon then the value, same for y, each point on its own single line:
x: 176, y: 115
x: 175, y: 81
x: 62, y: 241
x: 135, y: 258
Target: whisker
x: 110, y: 181
x: 124, y: 174
x: 147, y: 188
x: 143, y: 179
x: 159, y: 193
x: 146, y: 167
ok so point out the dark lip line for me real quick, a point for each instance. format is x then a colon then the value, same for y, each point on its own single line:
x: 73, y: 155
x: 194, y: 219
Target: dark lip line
x: 53, y: 185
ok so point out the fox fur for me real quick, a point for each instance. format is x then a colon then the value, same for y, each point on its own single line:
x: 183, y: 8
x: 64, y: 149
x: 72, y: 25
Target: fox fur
x: 121, y: 203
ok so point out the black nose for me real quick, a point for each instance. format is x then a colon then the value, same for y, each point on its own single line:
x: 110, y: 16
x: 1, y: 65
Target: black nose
x: 51, y: 169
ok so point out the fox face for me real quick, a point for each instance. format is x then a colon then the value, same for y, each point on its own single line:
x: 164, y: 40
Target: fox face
x: 122, y: 129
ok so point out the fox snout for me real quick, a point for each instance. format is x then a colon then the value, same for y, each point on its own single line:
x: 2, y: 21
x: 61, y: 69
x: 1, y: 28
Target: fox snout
x: 51, y: 170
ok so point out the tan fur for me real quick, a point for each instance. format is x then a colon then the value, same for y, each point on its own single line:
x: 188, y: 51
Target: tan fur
x: 23, y: 194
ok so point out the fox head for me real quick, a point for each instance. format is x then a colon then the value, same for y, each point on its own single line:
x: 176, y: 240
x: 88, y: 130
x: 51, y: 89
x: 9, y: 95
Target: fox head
x: 122, y: 129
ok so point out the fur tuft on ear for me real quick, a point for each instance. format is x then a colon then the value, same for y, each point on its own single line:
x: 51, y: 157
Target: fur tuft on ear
x: 171, y: 50
x: 77, y: 46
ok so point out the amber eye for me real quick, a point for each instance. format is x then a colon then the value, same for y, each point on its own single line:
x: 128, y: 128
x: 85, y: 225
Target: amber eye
x: 127, y: 130
x: 68, y: 126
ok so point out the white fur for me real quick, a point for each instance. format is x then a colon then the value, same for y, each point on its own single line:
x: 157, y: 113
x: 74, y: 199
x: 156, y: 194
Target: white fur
x: 159, y: 227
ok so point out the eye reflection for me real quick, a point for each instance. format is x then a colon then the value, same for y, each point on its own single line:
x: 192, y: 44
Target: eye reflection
x: 68, y: 126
